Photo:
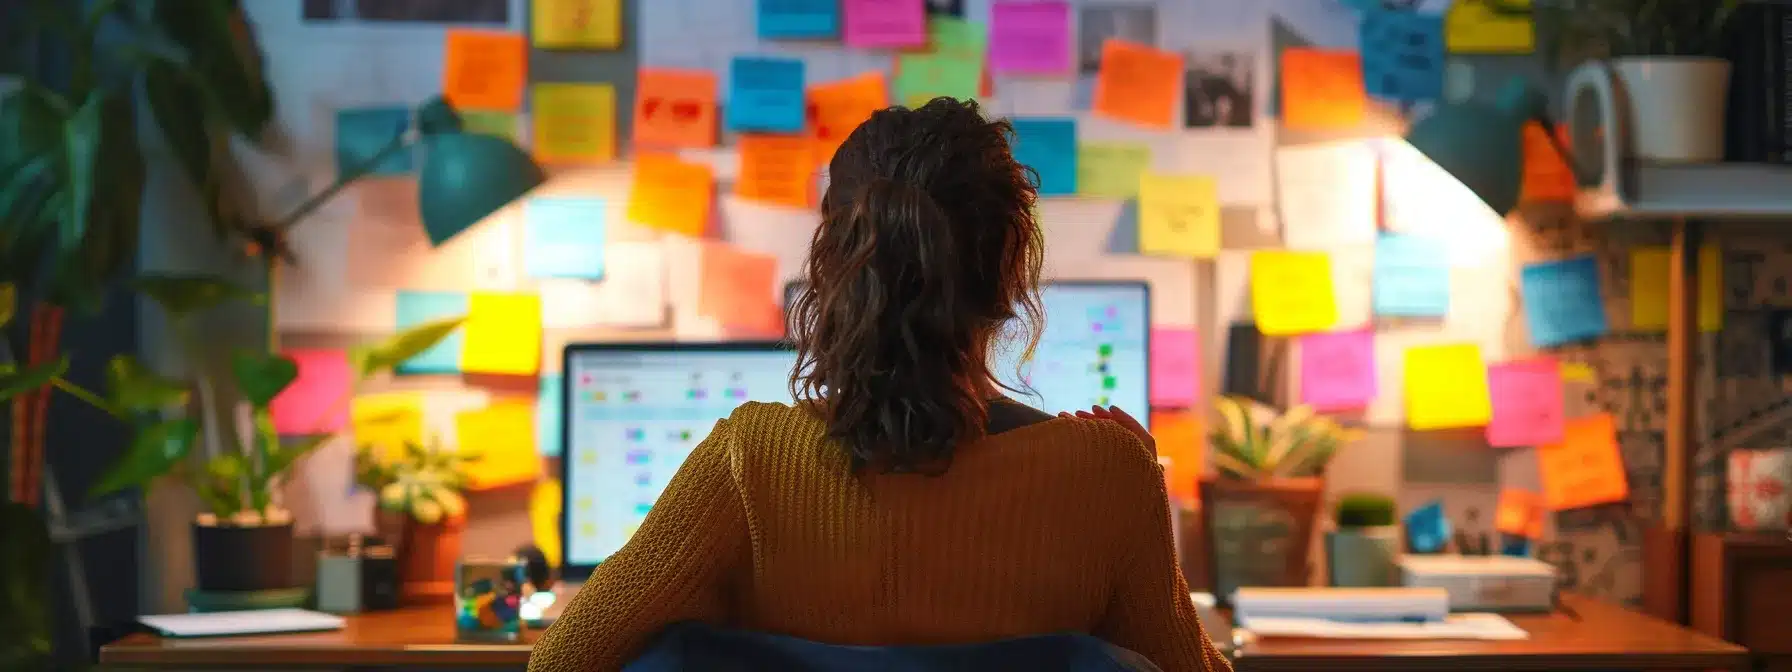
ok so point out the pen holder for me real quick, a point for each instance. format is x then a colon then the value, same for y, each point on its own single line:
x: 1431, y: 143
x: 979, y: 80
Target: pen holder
x: 488, y: 599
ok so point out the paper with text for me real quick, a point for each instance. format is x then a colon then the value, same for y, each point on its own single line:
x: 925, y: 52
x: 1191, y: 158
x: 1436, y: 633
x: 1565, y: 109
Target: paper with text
x: 1412, y: 277
x: 485, y: 70
x: 1337, y: 370
x: 1179, y: 215
x: 1138, y: 84
x: 563, y: 237
x: 1473, y: 27
x: 1585, y: 468
x: 1528, y: 406
x: 885, y: 23
x: 1403, y: 55
x: 675, y: 108
x: 838, y: 107
x: 1446, y: 387
x: 576, y: 24
x: 1030, y: 38
x: 1322, y: 89
x: 1291, y: 292
x: 738, y: 289
x: 573, y: 123
x: 671, y: 195
x: 1049, y: 147
x: 766, y: 94
x: 777, y: 170
x: 799, y: 19
x: 1111, y: 169
x: 1562, y: 301
x: 503, y: 435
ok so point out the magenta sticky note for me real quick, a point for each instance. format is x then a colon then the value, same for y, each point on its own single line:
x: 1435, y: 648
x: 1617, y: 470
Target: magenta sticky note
x: 1029, y: 38
x: 317, y: 401
x: 885, y: 23
x: 1337, y: 370
x: 1175, y: 367
x: 1527, y: 403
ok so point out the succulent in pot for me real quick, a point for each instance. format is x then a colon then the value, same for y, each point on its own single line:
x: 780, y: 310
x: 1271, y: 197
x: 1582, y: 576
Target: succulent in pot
x: 1362, y: 550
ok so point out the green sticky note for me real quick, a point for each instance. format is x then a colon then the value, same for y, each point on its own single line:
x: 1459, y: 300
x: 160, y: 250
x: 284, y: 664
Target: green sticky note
x: 501, y: 124
x: 1111, y: 169
x: 957, y: 38
x: 952, y: 66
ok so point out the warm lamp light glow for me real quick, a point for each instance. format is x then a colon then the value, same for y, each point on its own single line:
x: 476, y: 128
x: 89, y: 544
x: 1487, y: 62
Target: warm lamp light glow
x: 1423, y: 199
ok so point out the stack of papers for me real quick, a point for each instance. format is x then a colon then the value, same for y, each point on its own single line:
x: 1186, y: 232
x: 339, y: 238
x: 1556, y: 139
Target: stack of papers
x: 256, y: 622
x: 1455, y: 626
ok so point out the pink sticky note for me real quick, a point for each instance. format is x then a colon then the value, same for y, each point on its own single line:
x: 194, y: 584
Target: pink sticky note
x: 1337, y: 369
x: 1527, y: 403
x: 1175, y: 367
x: 885, y: 23
x: 316, y: 402
x: 1030, y: 37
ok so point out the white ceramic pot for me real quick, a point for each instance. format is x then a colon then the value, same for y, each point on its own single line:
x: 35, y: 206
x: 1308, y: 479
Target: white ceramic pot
x: 1676, y: 107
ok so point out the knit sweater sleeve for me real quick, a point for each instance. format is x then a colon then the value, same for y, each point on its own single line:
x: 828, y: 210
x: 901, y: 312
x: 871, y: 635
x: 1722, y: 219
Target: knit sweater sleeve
x: 674, y: 568
x: 1149, y: 610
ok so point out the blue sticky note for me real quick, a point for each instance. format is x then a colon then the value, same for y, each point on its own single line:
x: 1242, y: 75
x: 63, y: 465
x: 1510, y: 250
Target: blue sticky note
x: 547, y: 417
x: 1411, y: 277
x: 416, y: 308
x: 1428, y: 529
x: 564, y: 238
x: 1514, y: 545
x: 362, y: 132
x: 799, y: 19
x: 766, y: 95
x: 1403, y: 55
x: 1562, y: 302
x: 1048, y: 146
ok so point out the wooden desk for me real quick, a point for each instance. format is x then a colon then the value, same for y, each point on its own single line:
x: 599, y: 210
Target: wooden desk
x: 1596, y: 637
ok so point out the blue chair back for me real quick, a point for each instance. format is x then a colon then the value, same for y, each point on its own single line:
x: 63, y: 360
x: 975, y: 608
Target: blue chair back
x: 695, y: 647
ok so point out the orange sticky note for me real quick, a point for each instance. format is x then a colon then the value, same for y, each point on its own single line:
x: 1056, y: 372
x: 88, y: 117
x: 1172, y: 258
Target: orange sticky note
x: 777, y: 169
x: 671, y: 195
x: 574, y: 123
x: 1520, y: 513
x: 675, y: 108
x: 503, y: 435
x: 1322, y: 89
x: 1586, y: 467
x: 1179, y: 438
x: 1138, y: 84
x: 836, y: 108
x: 485, y: 70
x: 1547, y: 176
x: 737, y: 288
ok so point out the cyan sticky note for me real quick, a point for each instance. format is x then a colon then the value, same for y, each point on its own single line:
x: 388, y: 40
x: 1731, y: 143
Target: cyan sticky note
x: 547, y: 417
x: 361, y: 133
x: 1562, y: 302
x: 1411, y: 277
x: 1427, y: 528
x: 1048, y: 146
x: 416, y: 308
x: 766, y: 95
x: 563, y: 237
x: 799, y: 19
x: 1402, y: 55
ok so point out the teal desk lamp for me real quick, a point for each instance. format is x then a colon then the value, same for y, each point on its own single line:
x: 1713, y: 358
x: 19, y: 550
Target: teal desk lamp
x: 1482, y: 144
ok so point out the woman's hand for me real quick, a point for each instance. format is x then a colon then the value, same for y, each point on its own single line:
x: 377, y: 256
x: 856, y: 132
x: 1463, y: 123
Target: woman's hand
x: 1114, y: 413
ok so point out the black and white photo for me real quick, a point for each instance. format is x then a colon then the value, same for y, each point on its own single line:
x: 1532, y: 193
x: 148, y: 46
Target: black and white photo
x: 1132, y: 23
x: 480, y: 12
x: 945, y: 7
x: 1220, y: 89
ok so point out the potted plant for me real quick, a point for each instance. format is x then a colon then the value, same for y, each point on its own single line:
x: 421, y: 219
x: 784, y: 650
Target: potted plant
x: 1360, y: 551
x: 420, y: 489
x: 1260, y: 508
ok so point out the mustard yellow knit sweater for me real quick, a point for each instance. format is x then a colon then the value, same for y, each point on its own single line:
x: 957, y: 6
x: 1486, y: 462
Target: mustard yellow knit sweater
x: 1058, y: 526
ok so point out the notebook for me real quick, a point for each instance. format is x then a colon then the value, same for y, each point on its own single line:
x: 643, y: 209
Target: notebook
x: 256, y: 622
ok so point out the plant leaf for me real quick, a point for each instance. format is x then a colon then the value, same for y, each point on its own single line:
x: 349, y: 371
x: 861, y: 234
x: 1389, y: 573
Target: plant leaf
x: 156, y: 450
x: 221, y: 50
x: 133, y: 387
x: 261, y: 376
x: 405, y: 345
x: 14, y: 382
x: 282, y: 457
x: 184, y: 295
x: 178, y: 103
x: 9, y: 302
x: 24, y: 601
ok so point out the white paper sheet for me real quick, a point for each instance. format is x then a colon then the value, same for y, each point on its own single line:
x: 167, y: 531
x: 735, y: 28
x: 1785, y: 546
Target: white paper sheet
x: 260, y: 621
x: 1327, y: 194
x: 1456, y: 626
x: 632, y: 294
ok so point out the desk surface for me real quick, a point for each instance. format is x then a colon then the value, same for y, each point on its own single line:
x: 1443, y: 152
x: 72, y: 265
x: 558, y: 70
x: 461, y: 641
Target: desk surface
x: 1590, y: 635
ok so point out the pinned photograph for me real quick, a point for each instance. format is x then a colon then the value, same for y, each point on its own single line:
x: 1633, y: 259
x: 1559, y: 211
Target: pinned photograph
x: 1221, y: 89
x: 945, y: 7
x: 480, y: 12
x: 1132, y: 23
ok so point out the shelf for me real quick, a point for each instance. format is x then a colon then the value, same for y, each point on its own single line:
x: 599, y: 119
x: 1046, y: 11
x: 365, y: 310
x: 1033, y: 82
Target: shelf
x: 1723, y: 190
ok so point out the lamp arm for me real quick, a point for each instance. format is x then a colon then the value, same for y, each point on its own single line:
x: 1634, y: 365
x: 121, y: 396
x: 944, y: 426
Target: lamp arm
x: 353, y: 174
x: 1555, y: 141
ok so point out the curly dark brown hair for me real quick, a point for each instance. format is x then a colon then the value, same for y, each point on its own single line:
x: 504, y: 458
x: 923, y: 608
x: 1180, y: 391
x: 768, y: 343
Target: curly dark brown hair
x: 928, y: 250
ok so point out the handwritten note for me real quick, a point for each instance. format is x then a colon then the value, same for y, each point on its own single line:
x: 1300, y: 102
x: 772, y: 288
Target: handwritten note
x: 1291, y: 292
x: 416, y: 308
x: 952, y: 66
x: 1030, y: 38
x: 1111, y: 169
x: 1181, y: 442
x: 1562, y: 302
x: 1547, y: 175
x: 1473, y: 27
x: 737, y: 288
x: 777, y: 169
x: 671, y: 195
x: 563, y: 237
x: 1179, y: 215
x: 799, y: 19
x: 361, y: 134
x: 1520, y: 514
x: 885, y: 23
x: 317, y: 401
x: 1327, y: 194
x: 837, y: 108
x: 388, y: 422
x: 1138, y: 84
x: 574, y: 123
x: 1585, y: 468
x: 1650, y: 270
x: 486, y: 122
x: 675, y: 108
x: 503, y: 334
x: 1411, y: 277
x: 1175, y: 367
x: 503, y: 435
x: 765, y: 94
x: 485, y: 70
x: 576, y: 24
x: 1048, y: 146
x: 548, y: 417
x: 1527, y: 403
x: 1322, y: 89
x: 1403, y: 55
x: 1337, y: 370
x: 1446, y: 387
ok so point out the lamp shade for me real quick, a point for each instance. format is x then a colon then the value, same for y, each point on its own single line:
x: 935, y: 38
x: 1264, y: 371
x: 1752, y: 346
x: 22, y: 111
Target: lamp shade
x: 468, y: 176
x: 1481, y: 144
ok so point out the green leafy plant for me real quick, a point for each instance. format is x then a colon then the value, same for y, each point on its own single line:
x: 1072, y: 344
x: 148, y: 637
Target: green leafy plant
x: 424, y: 483
x: 1570, y: 31
x: 1254, y: 442
x: 1365, y: 509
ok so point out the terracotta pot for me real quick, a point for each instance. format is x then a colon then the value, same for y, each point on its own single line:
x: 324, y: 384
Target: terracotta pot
x: 426, y: 558
x: 1259, y: 533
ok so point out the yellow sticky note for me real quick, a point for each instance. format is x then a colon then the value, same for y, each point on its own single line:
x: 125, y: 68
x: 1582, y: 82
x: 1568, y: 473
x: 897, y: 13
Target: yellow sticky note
x: 1650, y: 270
x: 574, y: 123
x: 1291, y: 292
x: 1111, y: 169
x: 576, y: 24
x: 1446, y: 387
x: 387, y: 421
x: 544, y: 519
x: 1179, y: 215
x: 1576, y: 372
x: 502, y: 334
x: 503, y: 436
x: 1473, y: 27
x: 1711, y: 288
